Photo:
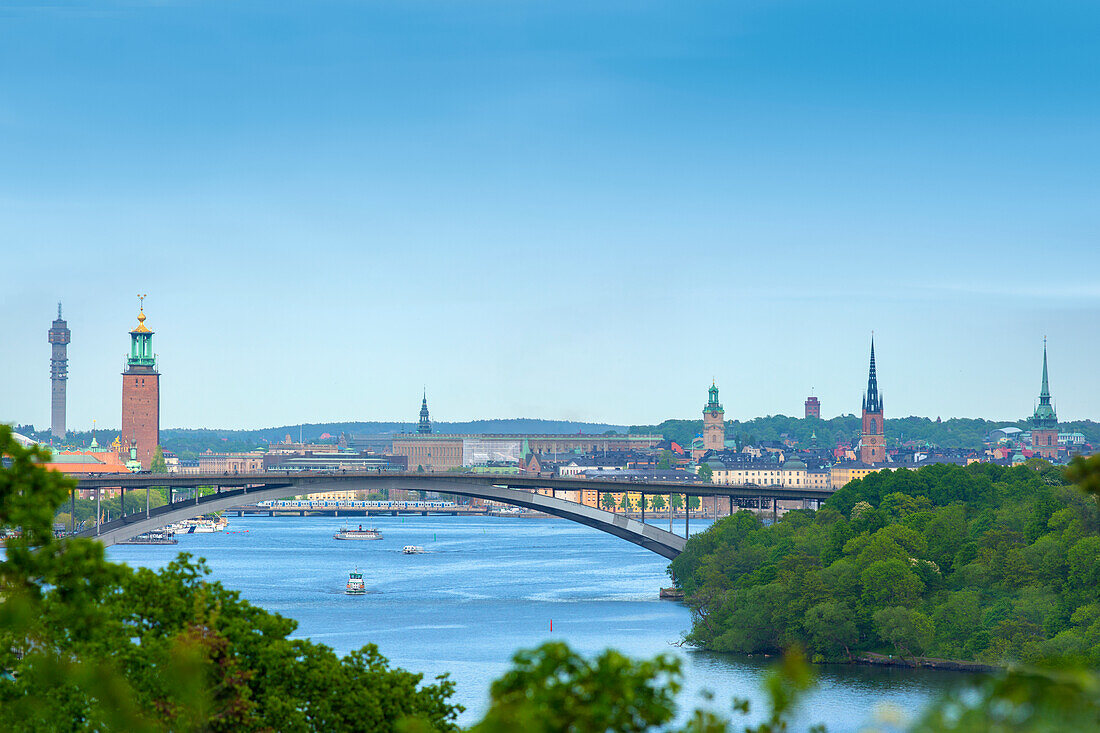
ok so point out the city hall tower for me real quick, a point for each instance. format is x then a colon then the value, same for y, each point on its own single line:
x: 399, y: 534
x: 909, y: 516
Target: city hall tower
x: 141, y: 394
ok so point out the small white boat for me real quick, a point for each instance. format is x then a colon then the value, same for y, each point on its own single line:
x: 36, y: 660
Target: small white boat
x: 412, y: 550
x: 357, y: 534
x: 355, y: 586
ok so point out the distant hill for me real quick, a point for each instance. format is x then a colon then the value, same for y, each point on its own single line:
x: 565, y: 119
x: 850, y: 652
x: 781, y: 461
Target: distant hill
x: 952, y: 433
x: 192, y: 442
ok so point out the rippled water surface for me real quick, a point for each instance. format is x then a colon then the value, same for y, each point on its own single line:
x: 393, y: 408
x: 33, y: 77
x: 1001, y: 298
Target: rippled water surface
x: 489, y: 586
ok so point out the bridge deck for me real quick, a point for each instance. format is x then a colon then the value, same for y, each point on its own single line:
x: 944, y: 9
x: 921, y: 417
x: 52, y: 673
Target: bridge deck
x: 236, y: 489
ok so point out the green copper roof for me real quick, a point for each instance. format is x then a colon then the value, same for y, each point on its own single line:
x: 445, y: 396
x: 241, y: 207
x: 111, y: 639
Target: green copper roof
x: 1044, y: 416
x: 713, y: 405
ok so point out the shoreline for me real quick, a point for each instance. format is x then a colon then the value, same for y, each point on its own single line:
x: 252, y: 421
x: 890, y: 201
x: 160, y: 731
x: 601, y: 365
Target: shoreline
x: 953, y: 665
x: 874, y: 659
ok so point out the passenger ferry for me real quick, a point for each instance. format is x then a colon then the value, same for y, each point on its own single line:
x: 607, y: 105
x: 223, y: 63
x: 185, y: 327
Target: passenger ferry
x: 355, y: 586
x: 357, y: 534
x: 412, y: 550
x: 199, y: 526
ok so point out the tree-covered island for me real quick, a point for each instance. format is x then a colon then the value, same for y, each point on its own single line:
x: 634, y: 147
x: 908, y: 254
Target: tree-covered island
x: 982, y: 563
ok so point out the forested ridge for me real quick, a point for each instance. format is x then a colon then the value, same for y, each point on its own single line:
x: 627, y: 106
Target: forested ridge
x: 956, y: 432
x: 981, y: 563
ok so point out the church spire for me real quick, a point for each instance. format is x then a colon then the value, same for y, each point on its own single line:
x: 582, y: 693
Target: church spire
x: 425, y: 426
x: 1044, y: 394
x: 1045, y: 415
x: 872, y: 401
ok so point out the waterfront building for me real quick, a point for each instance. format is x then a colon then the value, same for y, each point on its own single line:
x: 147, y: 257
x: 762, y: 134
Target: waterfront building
x: 714, y: 425
x: 438, y: 452
x: 141, y: 393
x: 429, y: 452
x: 1044, y: 422
x: 1069, y: 440
x: 171, y: 461
x: 792, y: 473
x: 59, y: 337
x: 247, y: 462
x: 872, y: 444
x: 425, y: 425
x: 342, y: 461
x: 90, y: 460
x: 813, y: 407
x: 845, y: 471
x: 1006, y: 434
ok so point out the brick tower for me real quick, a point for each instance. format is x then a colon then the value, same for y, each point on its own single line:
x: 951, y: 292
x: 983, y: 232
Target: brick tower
x: 872, y: 444
x: 813, y: 407
x: 59, y: 374
x: 141, y: 394
x: 1044, y: 423
x: 714, y: 423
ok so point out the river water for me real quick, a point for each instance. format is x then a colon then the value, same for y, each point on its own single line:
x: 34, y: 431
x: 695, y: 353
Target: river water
x: 488, y: 586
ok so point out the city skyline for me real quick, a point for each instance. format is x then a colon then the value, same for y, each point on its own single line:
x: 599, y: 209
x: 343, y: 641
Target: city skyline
x: 423, y: 412
x: 557, y: 211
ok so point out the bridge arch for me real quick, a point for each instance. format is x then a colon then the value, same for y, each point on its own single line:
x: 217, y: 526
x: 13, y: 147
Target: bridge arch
x: 654, y: 539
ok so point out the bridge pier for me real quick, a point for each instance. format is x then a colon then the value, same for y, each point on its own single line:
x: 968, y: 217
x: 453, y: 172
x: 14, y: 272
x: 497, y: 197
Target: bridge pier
x: 98, y: 511
x: 72, y: 510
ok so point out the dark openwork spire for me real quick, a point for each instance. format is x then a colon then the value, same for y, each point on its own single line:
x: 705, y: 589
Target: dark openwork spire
x: 872, y: 401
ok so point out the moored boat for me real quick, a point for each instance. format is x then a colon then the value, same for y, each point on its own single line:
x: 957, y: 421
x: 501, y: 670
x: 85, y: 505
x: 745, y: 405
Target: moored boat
x: 199, y: 526
x: 355, y: 586
x: 357, y: 534
x: 153, y: 537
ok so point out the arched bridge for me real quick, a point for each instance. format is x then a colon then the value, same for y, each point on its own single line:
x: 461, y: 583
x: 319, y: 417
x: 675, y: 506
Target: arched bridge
x: 235, y: 489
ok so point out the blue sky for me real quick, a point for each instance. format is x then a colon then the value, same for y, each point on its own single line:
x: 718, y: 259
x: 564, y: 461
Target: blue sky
x: 553, y: 209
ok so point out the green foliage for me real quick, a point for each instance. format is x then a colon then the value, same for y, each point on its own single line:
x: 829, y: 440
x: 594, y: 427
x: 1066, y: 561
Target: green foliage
x: 952, y: 433
x: 157, y: 465
x: 554, y: 689
x: 607, y: 501
x: 980, y: 563
x: 657, y: 501
x: 1020, y: 701
x: 706, y: 473
x: 624, y: 503
x: 91, y: 645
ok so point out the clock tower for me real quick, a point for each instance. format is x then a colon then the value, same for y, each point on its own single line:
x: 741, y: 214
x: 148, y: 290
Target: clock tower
x: 714, y: 423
